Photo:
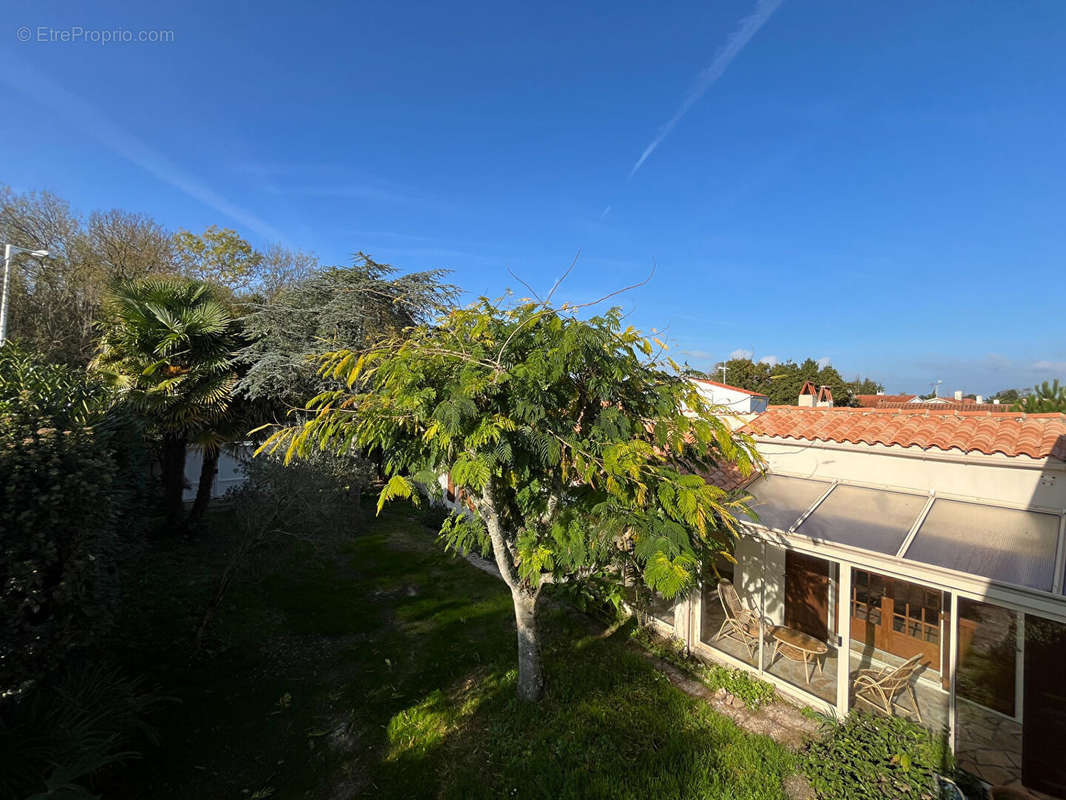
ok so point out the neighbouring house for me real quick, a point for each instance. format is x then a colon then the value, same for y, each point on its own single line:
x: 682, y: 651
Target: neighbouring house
x: 732, y: 398
x: 895, y: 534
x: 949, y: 405
x: 905, y: 401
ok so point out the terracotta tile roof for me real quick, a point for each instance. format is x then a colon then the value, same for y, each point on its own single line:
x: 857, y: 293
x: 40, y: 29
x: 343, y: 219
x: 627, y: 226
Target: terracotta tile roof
x: 875, y: 400
x: 1035, y: 435
x: 965, y: 405
x: 727, y: 386
x: 728, y: 476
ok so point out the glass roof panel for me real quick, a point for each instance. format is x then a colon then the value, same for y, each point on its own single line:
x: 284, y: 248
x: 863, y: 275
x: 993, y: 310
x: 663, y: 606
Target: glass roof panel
x: 781, y: 500
x: 873, y: 519
x: 1001, y: 544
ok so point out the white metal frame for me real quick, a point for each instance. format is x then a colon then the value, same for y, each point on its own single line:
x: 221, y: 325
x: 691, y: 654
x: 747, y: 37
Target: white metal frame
x: 1018, y: 599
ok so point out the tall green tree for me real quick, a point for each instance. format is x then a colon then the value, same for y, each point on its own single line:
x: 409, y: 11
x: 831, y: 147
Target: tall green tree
x: 782, y: 382
x: 337, y: 307
x: 218, y: 255
x: 325, y: 310
x: 54, y: 301
x: 168, y: 346
x: 580, y: 453
x: 863, y: 385
x: 1009, y: 395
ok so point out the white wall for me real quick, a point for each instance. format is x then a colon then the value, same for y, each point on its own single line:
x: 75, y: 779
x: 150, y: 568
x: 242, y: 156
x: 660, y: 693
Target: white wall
x: 731, y: 399
x: 230, y: 470
x: 759, y: 577
x: 1019, y: 480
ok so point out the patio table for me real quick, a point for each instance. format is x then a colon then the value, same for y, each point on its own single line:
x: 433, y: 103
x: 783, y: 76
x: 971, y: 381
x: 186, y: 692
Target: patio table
x: 798, y: 646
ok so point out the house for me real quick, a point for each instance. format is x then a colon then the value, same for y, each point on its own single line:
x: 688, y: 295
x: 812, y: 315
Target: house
x: 959, y: 403
x: 966, y: 405
x: 888, y: 534
x: 733, y: 398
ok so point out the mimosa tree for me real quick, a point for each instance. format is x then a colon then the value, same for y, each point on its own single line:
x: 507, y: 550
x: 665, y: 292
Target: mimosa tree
x: 578, y: 449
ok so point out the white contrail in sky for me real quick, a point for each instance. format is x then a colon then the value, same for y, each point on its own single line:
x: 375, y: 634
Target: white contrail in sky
x: 749, y: 26
x: 88, y: 119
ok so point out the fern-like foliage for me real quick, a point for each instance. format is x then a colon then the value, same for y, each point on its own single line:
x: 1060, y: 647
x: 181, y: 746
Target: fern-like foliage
x: 567, y: 434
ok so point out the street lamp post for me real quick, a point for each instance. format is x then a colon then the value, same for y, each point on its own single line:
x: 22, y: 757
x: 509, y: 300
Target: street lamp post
x: 8, y: 250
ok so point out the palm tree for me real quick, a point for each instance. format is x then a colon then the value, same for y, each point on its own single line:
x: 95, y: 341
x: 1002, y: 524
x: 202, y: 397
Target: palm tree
x: 168, y: 346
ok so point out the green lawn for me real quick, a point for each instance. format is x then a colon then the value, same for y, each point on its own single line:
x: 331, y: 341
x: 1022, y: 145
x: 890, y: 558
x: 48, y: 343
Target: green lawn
x: 378, y: 666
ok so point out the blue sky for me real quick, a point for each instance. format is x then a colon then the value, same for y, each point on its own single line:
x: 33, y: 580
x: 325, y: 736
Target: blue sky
x: 879, y: 184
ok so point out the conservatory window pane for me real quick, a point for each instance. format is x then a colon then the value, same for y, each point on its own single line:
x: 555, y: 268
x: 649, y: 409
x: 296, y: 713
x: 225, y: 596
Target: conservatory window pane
x: 873, y: 519
x: 1002, y: 544
x: 780, y: 500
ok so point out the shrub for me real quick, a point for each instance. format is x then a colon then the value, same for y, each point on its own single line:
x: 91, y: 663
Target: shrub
x: 70, y: 468
x: 62, y: 734
x: 33, y: 389
x: 868, y: 757
x: 316, y: 502
x: 58, y: 546
x: 303, y: 499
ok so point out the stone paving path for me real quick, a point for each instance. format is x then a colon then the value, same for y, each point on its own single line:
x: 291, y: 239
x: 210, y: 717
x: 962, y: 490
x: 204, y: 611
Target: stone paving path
x: 781, y: 722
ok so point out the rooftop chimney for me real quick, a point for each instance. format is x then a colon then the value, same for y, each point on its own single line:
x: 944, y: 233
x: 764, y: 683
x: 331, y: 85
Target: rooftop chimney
x: 958, y: 395
x: 979, y: 399
x: 880, y: 392
x: 995, y: 402
x: 807, y: 395
x: 825, y: 397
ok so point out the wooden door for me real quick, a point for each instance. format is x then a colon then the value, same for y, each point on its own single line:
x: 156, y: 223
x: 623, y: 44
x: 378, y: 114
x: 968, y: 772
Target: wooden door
x: 1044, y: 729
x: 897, y: 617
x: 807, y: 594
x: 914, y: 612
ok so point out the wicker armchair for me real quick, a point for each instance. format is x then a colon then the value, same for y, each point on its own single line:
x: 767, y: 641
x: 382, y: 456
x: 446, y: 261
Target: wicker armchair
x: 741, y: 624
x: 881, y: 687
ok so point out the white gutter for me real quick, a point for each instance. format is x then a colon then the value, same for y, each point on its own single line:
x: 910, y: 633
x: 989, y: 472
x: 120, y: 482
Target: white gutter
x: 914, y: 451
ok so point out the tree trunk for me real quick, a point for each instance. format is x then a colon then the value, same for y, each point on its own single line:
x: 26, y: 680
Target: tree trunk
x: 208, y: 470
x: 172, y: 463
x: 530, y: 673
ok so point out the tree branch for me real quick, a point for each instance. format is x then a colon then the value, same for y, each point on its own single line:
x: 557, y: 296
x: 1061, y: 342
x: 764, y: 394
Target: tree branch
x: 637, y: 285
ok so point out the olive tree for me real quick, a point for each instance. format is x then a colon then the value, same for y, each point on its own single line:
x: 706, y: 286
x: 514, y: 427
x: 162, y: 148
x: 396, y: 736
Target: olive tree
x: 578, y: 448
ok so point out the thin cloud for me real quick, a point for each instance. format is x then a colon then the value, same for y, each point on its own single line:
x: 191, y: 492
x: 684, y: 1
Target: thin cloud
x: 824, y: 362
x: 355, y: 191
x: 749, y: 26
x: 1057, y: 367
x: 24, y: 79
x: 771, y: 360
x: 741, y: 354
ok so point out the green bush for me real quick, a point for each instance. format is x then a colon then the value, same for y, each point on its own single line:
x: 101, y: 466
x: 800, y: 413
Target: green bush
x: 59, y: 737
x: 71, y: 468
x: 868, y: 757
x: 58, y: 546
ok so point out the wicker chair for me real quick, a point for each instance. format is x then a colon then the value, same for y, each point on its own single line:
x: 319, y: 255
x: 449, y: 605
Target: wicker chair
x: 741, y: 624
x: 881, y: 687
